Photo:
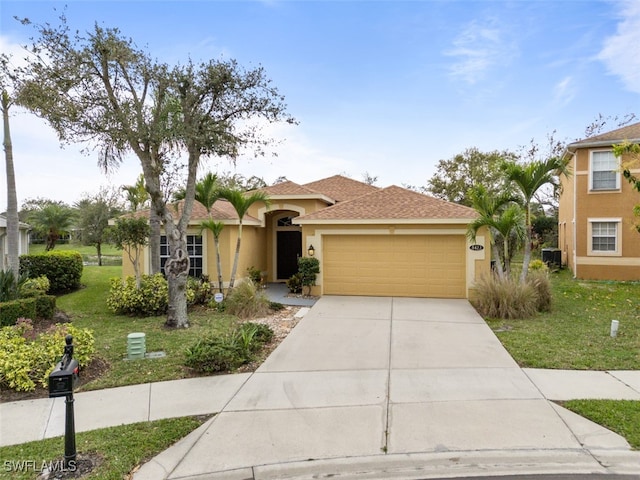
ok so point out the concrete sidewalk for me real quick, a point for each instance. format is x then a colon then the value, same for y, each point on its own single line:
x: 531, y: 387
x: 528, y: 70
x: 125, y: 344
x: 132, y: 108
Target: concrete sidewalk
x: 365, y: 388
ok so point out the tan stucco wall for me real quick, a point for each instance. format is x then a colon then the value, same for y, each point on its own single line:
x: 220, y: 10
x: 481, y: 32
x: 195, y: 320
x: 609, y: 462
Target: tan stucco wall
x: 616, y: 204
x: 478, y: 262
x: 565, y: 216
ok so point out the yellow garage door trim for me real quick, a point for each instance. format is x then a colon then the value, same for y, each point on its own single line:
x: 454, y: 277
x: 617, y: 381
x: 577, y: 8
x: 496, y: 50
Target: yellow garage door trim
x: 395, y: 265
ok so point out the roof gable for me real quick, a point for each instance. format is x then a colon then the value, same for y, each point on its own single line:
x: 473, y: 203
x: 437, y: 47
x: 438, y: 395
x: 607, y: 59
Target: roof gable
x: 341, y: 188
x: 392, y: 203
x: 629, y: 132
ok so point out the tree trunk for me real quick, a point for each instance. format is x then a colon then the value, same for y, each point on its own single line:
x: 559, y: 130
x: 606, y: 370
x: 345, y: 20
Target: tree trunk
x: 218, y: 263
x: 155, y: 224
x: 13, y: 225
x: 526, y: 259
x: 99, y: 252
x: 235, y: 259
x: 177, y: 271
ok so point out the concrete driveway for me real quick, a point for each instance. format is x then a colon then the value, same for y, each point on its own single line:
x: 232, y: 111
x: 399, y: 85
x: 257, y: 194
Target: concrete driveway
x: 369, y: 387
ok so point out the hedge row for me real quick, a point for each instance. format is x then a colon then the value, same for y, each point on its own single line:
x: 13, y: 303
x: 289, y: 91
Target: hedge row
x: 62, y: 268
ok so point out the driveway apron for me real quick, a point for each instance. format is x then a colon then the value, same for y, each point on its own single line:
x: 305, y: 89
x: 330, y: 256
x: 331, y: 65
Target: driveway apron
x: 373, y: 377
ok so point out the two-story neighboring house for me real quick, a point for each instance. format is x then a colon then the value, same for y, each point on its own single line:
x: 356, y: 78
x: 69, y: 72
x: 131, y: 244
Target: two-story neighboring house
x: 596, y: 230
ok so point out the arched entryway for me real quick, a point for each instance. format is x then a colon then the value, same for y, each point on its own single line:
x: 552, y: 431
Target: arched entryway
x: 288, y: 244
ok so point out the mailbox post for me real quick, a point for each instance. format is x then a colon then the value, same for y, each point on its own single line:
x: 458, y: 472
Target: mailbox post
x: 61, y: 383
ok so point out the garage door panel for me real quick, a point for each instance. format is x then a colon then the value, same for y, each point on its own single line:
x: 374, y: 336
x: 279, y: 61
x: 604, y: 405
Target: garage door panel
x: 396, y: 265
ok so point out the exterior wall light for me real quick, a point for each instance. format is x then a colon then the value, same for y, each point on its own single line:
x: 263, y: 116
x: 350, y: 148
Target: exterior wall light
x: 311, y: 251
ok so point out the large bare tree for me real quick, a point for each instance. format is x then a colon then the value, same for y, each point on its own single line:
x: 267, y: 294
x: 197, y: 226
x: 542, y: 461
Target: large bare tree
x: 100, y: 88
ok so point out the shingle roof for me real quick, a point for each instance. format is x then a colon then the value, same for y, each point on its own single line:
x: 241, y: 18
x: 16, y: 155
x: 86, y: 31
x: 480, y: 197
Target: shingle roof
x: 288, y: 188
x: 629, y: 132
x: 392, y: 203
x: 221, y: 210
x: 341, y: 188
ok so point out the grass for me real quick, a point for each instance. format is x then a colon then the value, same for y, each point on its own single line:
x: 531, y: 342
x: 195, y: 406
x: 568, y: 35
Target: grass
x: 121, y: 448
x: 110, y: 254
x: 575, y: 334
x: 620, y: 416
x: 87, y: 309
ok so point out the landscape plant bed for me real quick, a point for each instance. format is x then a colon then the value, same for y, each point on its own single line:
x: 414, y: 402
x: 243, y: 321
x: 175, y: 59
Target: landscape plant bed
x: 86, y: 308
x: 575, y: 334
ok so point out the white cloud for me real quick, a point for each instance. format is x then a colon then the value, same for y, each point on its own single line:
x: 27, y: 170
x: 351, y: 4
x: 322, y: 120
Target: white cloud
x: 564, y: 91
x: 621, y: 51
x: 479, y: 47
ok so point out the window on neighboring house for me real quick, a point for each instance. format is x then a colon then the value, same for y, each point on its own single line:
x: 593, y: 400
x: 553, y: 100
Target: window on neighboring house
x: 194, y: 249
x: 604, y: 171
x: 604, y: 237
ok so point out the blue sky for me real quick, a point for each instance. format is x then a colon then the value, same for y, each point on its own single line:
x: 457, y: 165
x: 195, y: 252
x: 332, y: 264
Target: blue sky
x: 384, y: 87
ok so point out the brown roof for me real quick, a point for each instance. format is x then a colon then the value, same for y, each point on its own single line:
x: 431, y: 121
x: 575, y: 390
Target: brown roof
x: 341, y: 188
x: 221, y: 210
x: 392, y: 203
x: 629, y: 132
x: 287, y: 188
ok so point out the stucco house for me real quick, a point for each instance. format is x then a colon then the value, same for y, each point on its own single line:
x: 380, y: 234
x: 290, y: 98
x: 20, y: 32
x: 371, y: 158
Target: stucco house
x: 23, y: 240
x: 369, y: 240
x: 596, y: 232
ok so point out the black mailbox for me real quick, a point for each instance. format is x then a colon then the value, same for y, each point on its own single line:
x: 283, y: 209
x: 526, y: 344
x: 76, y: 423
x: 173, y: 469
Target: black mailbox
x: 63, y: 378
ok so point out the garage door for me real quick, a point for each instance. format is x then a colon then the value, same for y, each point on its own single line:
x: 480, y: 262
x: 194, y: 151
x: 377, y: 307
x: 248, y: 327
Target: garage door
x: 395, y: 265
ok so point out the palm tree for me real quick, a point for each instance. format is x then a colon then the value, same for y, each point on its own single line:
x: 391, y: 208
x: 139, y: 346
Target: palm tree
x: 207, y: 193
x: 216, y: 230
x: 54, y: 219
x: 136, y: 194
x: 241, y: 202
x: 503, y: 218
x: 13, y: 229
x: 528, y: 179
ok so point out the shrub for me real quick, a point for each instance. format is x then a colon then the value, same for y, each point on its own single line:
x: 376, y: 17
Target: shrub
x: 26, y: 362
x: 14, y: 309
x: 308, y: 269
x: 45, y: 306
x: 10, y: 285
x: 505, y: 298
x: 539, y: 280
x: 214, y: 354
x: 246, y: 301
x: 538, y: 266
x: 254, y: 274
x: 295, y: 283
x: 62, y: 268
x: 198, y: 291
x: 151, y: 299
x: 33, y: 287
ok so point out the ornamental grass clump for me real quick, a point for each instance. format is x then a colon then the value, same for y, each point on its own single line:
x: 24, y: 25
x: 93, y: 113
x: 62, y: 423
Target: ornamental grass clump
x: 247, y: 301
x: 505, y: 298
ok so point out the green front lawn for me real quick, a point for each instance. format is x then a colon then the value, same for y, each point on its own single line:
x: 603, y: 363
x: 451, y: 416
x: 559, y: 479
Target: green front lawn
x: 118, y: 450
x: 620, y: 416
x: 576, y: 333
x: 87, y: 308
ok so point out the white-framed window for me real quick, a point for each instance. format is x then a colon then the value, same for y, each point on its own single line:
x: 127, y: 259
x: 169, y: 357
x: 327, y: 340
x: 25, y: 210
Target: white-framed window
x: 604, y: 236
x: 194, y: 249
x: 604, y: 171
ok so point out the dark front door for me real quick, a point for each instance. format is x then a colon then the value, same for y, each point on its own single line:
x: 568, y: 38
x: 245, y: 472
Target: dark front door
x: 288, y: 249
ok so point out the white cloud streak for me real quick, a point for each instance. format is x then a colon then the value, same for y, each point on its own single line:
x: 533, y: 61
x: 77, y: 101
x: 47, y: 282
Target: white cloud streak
x: 621, y: 51
x: 478, y: 48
